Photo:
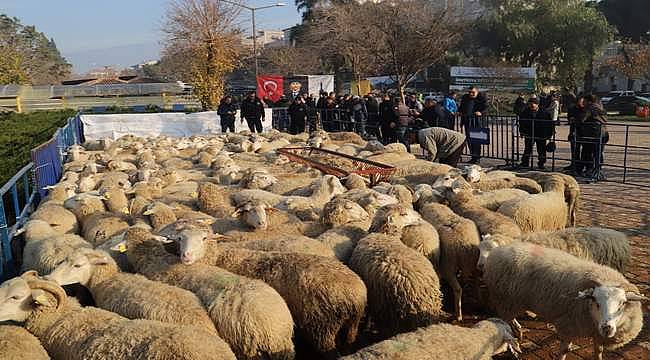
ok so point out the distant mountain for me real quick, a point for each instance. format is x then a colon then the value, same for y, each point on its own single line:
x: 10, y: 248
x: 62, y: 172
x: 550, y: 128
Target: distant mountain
x: 118, y: 56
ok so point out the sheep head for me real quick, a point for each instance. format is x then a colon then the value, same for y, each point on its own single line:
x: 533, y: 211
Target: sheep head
x: 393, y: 218
x: 607, y: 303
x: 21, y: 295
x: 79, y: 267
x: 254, y: 214
x: 340, y: 211
x: 191, y: 242
x: 36, y: 230
x: 486, y: 246
x: 472, y: 173
x: 259, y: 179
x: 508, y: 341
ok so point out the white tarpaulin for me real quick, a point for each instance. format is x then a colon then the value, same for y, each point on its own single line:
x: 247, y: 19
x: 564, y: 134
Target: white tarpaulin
x: 318, y: 83
x: 114, y: 126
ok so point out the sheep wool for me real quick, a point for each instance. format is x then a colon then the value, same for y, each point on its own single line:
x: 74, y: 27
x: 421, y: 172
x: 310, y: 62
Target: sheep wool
x: 517, y: 274
x: 61, y: 219
x: 214, y: 200
x: 133, y: 296
x: 249, y: 314
x: 403, y: 288
x: 70, y: 332
x: 327, y: 300
x: 100, y: 227
x: 545, y: 211
x: 442, y: 341
x: 17, y: 343
x: 487, y: 221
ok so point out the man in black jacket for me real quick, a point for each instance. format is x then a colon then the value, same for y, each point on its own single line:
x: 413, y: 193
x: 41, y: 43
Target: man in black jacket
x: 226, y: 112
x: 434, y: 115
x: 535, y: 126
x: 388, y: 120
x: 472, y: 106
x: 252, y: 109
x: 298, y: 112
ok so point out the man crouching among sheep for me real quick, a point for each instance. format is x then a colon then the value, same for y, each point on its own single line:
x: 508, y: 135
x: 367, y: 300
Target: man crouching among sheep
x: 443, y: 145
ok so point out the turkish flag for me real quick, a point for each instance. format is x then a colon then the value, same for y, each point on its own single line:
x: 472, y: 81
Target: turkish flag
x: 269, y: 86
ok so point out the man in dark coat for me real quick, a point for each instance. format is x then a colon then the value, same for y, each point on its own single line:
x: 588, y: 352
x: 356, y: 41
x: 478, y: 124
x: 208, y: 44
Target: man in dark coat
x: 520, y: 105
x: 298, y: 112
x: 252, y: 109
x: 575, y: 115
x: 535, y: 126
x: 472, y: 106
x: 388, y: 120
x: 434, y: 114
x: 592, y: 134
x: 226, y: 112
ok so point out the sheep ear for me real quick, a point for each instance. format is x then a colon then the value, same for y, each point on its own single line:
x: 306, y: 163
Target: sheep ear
x: 162, y: 239
x: 40, y: 297
x: 236, y: 213
x: 100, y: 260
x: 586, y: 294
x: 214, y: 237
x: 486, y: 237
x: 631, y: 296
x: 29, y: 274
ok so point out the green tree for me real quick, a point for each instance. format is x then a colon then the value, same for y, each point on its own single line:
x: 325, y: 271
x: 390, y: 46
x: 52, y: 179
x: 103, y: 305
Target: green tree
x: 28, y: 56
x: 559, y: 37
x: 630, y: 17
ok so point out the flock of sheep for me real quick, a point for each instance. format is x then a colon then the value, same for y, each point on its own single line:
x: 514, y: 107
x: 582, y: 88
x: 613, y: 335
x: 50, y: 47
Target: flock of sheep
x: 217, y: 247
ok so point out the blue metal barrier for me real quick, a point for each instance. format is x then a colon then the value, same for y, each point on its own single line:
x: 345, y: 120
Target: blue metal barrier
x: 46, y: 168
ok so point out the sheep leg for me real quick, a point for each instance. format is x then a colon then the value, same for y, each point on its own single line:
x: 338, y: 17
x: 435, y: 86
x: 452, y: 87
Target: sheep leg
x: 564, y: 349
x: 598, y: 351
x: 518, y: 328
x: 458, y: 293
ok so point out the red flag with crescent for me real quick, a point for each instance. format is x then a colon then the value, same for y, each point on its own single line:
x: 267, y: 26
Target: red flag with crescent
x: 269, y: 87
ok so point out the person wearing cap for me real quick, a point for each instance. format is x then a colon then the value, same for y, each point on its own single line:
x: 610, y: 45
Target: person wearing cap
x: 442, y: 145
x: 536, y: 127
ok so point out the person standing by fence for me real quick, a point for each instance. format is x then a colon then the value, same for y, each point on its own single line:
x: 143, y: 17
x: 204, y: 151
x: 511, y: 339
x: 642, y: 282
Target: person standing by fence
x: 388, y: 120
x: 472, y: 106
x: 404, y: 120
x: 442, y: 145
x: 536, y: 127
x: 575, y: 116
x: 226, y: 112
x: 592, y: 135
x: 252, y: 109
x: 298, y: 112
x: 433, y: 114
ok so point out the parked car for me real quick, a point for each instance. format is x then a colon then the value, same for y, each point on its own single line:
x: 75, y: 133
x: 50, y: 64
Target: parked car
x: 626, y: 105
x: 614, y: 94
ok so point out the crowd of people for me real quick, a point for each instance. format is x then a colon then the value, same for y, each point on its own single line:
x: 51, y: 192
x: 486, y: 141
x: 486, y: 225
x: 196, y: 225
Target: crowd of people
x: 397, y: 119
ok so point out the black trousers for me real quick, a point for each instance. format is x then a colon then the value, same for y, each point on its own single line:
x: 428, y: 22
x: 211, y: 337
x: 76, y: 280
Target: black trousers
x: 227, y: 124
x: 254, y: 124
x: 297, y: 126
x: 592, y: 154
x: 474, y: 147
x: 575, y: 149
x: 540, y: 144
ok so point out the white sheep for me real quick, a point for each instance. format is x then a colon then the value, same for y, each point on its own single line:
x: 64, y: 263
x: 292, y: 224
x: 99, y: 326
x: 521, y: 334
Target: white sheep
x: 68, y: 331
x: 546, y: 211
x: 18, y: 343
x: 459, y: 241
x: 44, y: 248
x: 580, y: 298
x: 130, y: 295
x: 444, y: 341
x: 602, y: 246
x: 60, y: 219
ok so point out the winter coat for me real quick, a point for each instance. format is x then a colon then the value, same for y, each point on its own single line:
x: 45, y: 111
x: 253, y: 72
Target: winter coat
x: 227, y: 111
x: 594, y: 124
x: 387, y: 113
x: 435, y: 116
x: 252, y: 109
x: 536, y: 124
x: 440, y: 142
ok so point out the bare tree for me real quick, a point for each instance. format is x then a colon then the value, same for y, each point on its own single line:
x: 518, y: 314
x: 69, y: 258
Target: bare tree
x: 408, y: 36
x: 633, y: 61
x: 203, y: 33
x: 291, y: 60
x: 343, y: 31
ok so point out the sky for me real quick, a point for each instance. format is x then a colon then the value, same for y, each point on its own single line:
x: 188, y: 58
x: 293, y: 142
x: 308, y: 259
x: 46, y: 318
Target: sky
x: 96, y: 33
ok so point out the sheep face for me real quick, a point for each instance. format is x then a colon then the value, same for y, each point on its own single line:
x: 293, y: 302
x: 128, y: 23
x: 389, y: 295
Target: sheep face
x: 473, y: 173
x: 342, y: 211
x: 607, y: 306
x: 261, y: 180
x: 254, y: 215
x: 78, y: 267
x: 485, y: 247
x: 393, y: 218
x: 192, y: 245
x: 16, y: 300
x: 447, y: 180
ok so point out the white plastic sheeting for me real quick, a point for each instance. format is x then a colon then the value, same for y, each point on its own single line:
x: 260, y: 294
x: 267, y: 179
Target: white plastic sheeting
x: 114, y: 126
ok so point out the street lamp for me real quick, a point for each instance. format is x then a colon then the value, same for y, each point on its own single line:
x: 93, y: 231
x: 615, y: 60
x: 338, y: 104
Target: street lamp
x: 253, y: 9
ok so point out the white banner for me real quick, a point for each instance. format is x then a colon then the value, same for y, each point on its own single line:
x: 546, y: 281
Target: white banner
x: 320, y: 82
x: 114, y: 126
